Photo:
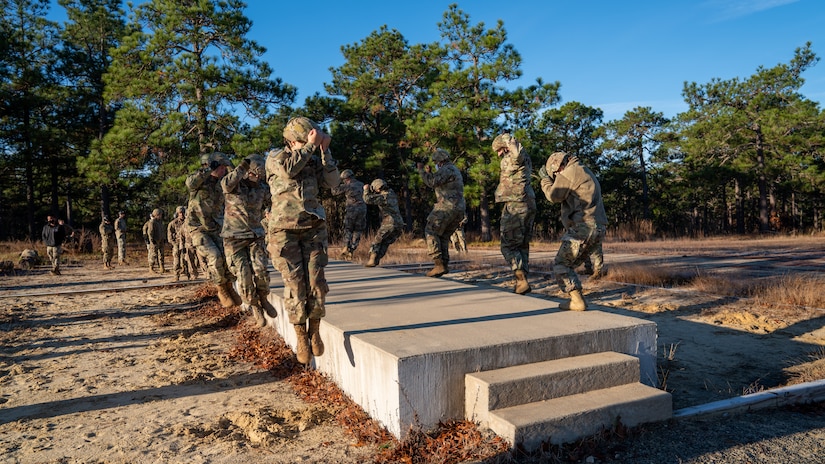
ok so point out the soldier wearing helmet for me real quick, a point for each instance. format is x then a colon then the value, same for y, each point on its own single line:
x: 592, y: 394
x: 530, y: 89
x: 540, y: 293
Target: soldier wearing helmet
x: 247, y: 197
x: 448, y: 211
x: 378, y: 193
x: 107, y: 241
x: 174, y: 235
x: 355, y: 215
x: 120, y: 235
x: 565, y: 180
x: 156, y: 236
x: 518, y: 213
x: 298, y: 229
x: 204, y: 220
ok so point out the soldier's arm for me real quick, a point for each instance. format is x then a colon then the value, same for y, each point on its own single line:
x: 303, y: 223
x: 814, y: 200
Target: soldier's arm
x: 196, y: 179
x: 230, y: 181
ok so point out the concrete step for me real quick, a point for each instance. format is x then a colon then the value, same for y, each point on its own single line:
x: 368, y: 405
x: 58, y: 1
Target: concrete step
x: 566, y: 419
x: 528, y: 383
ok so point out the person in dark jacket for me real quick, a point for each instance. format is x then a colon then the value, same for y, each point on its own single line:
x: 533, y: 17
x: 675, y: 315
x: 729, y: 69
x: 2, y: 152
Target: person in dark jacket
x: 54, y: 234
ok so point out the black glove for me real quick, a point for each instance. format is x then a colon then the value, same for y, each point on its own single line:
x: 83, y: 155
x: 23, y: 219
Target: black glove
x: 214, y: 164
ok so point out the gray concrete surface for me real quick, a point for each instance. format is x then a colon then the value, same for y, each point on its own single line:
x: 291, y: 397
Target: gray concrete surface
x: 400, y: 344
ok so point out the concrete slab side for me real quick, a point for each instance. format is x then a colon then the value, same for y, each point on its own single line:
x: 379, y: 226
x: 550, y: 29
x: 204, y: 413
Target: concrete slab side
x: 400, y: 344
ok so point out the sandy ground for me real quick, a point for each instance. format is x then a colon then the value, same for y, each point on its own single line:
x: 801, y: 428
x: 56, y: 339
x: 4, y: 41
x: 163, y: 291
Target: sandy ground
x: 101, y: 366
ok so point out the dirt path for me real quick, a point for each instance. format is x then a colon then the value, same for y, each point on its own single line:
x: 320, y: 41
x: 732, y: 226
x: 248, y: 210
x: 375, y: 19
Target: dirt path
x: 113, y: 370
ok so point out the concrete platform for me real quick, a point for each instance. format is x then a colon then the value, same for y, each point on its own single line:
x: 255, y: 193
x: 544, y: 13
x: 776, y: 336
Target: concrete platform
x: 400, y: 344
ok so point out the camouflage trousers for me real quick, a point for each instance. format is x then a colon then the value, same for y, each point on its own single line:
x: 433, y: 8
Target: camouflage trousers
x: 517, y: 220
x: 458, y: 240
x: 155, y: 254
x: 108, y: 248
x: 355, y: 222
x: 577, y: 243
x: 210, y: 248
x: 387, y: 235
x: 594, y: 262
x: 180, y: 261
x: 441, y: 223
x: 121, y: 248
x: 247, y: 261
x: 300, y: 255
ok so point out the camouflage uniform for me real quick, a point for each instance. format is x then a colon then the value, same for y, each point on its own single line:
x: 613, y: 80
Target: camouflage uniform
x: 204, y: 220
x: 107, y: 241
x: 582, y: 215
x: 355, y: 217
x: 189, y: 254
x: 156, y: 232
x: 392, y: 224
x: 120, y: 234
x: 174, y: 235
x: 243, y: 235
x: 449, y: 208
x: 297, y: 227
x: 457, y: 239
x: 519, y: 212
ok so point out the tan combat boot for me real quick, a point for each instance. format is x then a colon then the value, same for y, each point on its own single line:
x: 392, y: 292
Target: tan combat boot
x: 224, y: 297
x: 258, y: 315
x: 263, y: 296
x: 439, y: 269
x: 576, y: 302
x: 373, y: 261
x: 302, y: 346
x: 522, y: 284
x: 230, y: 290
x: 315, y: 337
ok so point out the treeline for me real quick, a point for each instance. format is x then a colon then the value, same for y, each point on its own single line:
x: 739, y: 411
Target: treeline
x: 110, y: 110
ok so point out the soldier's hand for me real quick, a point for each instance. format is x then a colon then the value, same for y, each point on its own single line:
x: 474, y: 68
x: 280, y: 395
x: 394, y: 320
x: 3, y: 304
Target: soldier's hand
x: 543, y: 173
x: 314, y: 137
x: 325, y: 141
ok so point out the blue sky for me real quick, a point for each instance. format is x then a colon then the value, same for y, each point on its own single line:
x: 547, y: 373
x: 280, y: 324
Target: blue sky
x: 611, y: 54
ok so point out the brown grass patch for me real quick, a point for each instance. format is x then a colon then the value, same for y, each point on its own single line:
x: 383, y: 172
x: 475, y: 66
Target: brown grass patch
x: 813, y: 369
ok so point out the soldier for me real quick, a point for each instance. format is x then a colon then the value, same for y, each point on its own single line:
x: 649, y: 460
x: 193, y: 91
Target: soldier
x: 54, y: 234
x: 156, y: 234
x: 457, y: 239
x: 107, y: 241
x: 565, y: 180
x: 447, y: 212
x: 378, y: 193
x: 355, y: 218
x: 519, y: 211
x: 204, y: 221
x: 298, y: 229
x: 120, y: 235
x: 246, y: 197
x: 174, y: 235
x: 189, y: 255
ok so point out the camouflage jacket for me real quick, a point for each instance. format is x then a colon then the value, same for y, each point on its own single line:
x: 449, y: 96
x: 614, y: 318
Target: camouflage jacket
x: 579, y: 193
x: 107, y: 231
x: 120, y: 227
x: 174, y: 231
x: 295, y: 178
x: 387, y: 203
x: 246, y: 203
x: 448, y: 185
x: 354, y: 192
x: 204, y: 213
x: 156, y: 231
x: 514, y: 180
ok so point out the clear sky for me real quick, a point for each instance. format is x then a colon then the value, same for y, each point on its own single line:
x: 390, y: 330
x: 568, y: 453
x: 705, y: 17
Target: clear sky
x: 611, y: 54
